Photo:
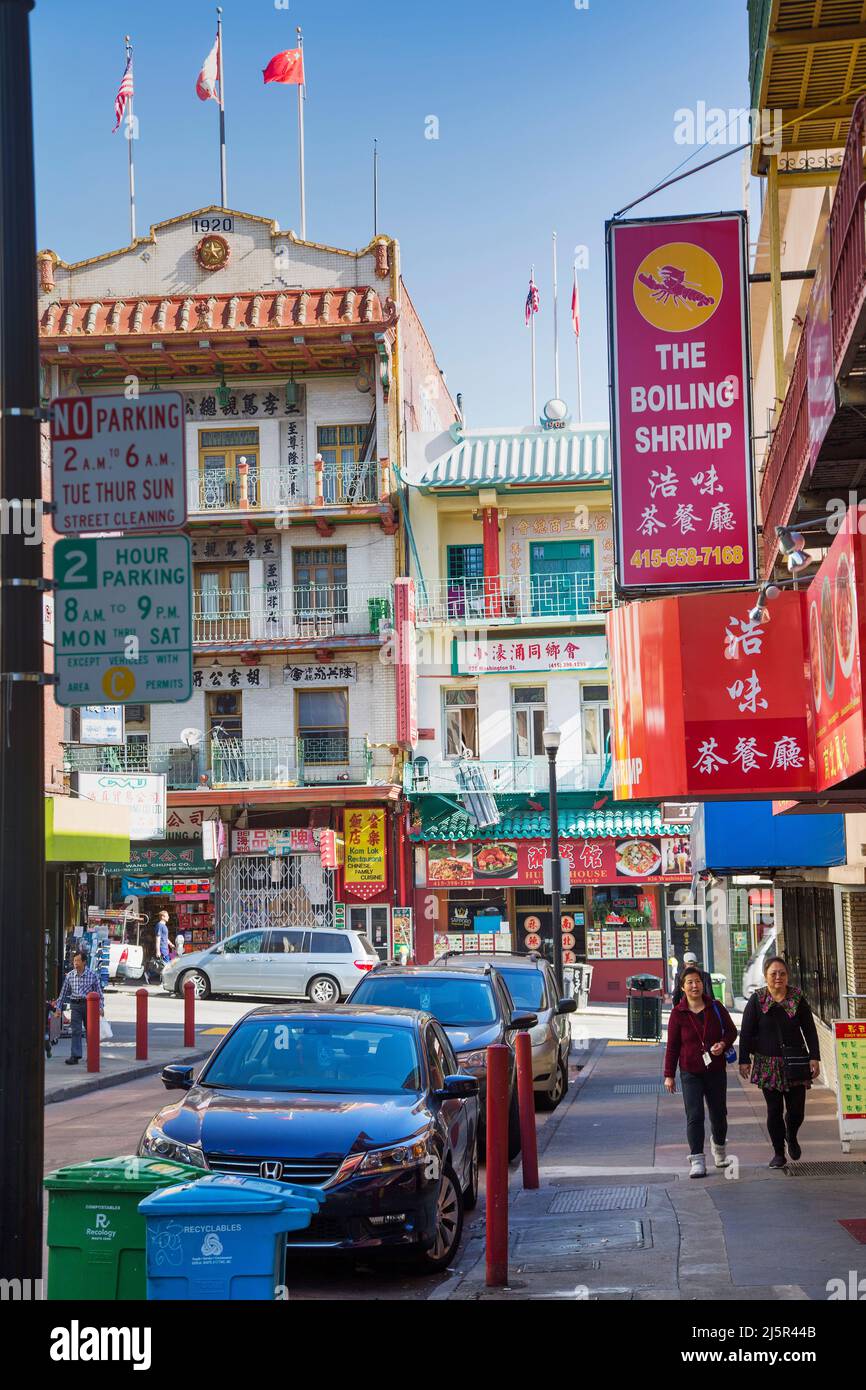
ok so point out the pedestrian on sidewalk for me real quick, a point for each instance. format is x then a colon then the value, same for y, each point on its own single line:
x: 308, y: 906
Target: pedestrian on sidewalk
x: 779, y: 1052
x: 163, y: 952
x: 80, y: 982
x: 700, y: 1032
x: 690, y: 960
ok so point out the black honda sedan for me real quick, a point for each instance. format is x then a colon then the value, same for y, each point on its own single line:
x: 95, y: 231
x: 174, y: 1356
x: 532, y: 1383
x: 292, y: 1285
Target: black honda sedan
x: 367, y: 1103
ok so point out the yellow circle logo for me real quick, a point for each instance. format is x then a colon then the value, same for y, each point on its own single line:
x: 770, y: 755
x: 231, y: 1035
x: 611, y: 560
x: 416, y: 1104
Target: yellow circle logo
x: 678, y: 287
x: 118, y: 682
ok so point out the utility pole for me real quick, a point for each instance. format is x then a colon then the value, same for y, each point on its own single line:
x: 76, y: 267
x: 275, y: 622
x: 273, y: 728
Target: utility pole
x: 22, y: 846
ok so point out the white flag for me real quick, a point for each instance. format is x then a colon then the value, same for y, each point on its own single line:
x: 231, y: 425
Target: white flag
x: 209, y: 75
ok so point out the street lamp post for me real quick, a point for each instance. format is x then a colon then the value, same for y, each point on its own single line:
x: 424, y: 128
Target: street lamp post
x: 551, y: 739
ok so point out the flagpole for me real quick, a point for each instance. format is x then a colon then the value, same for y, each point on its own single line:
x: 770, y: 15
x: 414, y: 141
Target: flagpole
x: 223, y: 179
x: 375, y: 188
x: 532, y: 339
x: 129, y: 140
x: 555, y: 327
x: 301, y: 90
x: 577, y: 345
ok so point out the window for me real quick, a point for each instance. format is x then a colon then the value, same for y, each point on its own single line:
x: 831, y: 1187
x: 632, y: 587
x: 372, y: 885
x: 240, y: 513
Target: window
x: 224, y: 716
x: 529, y: 719
x: 137, y: 725
x: 465, y: 574
x: 222, y: 603
x: 562, y: 578
x: 330, y: 943
x: 461, y: 723
x: 320, y: 1055
x: 285, y: 942
x: 436, y: 1061
x: 320, y: 584
x: 219, y: 453
x: 323, y: 725
x: 346, y: 478
x: 248, y: 944
x: 595, y: 714
x: 449, y: 1060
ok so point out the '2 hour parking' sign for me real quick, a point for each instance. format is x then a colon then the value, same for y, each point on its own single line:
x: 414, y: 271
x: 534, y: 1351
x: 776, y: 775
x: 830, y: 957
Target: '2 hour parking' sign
x: 123, y: 620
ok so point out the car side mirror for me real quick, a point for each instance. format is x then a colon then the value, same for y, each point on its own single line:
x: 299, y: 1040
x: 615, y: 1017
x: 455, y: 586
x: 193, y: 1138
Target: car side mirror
x: 177, y: 1076
x: 521, y: 1021
x: 218, y: 949
x: 460, y: 1086
x: 566, y: 1006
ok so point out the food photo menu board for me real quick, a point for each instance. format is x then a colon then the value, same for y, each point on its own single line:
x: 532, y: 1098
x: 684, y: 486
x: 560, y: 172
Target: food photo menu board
x: 520, y: 863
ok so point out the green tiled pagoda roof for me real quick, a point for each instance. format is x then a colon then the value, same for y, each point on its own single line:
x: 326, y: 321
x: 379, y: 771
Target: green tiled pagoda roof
x: 575, y: 823
x: 577, y: 454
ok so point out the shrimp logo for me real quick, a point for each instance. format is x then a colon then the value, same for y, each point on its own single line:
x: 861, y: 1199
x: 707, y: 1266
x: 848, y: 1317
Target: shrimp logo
x: 678, y: 287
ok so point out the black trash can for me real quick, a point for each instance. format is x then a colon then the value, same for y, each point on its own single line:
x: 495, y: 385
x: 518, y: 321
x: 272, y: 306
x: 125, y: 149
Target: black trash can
x: 644, y: 1008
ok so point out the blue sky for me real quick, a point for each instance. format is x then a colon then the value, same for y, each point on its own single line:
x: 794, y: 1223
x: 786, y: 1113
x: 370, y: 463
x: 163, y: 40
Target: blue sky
x: 549, y: 117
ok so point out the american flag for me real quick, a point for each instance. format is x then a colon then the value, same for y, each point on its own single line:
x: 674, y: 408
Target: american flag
x: 575, y: 307
x: 124, y: 93
x: 531, y: 300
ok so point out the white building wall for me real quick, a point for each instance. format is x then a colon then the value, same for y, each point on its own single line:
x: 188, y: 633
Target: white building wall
x: 167, y: 721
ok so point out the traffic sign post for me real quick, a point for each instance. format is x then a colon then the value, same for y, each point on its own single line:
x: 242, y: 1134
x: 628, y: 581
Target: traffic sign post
x: 118, y: 465
x: 123, y: 620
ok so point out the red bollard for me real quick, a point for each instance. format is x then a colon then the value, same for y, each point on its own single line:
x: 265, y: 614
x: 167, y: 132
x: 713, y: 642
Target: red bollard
x: 141, y: 1025
x: 93, y: 1031
x: 189, y: 1014
x: 526, y: 1101
x: 498, y: 1077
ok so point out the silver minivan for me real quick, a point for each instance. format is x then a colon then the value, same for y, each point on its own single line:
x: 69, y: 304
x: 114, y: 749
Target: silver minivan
x: 280, y: 962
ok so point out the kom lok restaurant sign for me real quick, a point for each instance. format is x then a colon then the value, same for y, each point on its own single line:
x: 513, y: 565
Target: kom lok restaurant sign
x: 708, y: 702
x: 679, y: 362
x: 836, y: 607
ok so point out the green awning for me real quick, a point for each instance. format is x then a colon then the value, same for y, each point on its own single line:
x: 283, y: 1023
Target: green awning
x: 84, y: 832
x: 576, y: 822
x: 579, y: 454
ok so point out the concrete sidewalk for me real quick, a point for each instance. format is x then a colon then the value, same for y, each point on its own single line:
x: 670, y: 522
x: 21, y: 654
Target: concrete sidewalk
x: 117, y: 1059
x: 616, y: 1216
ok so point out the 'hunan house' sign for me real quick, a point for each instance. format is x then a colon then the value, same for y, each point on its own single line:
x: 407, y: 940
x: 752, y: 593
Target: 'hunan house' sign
x: 708, y: 702
x: 681, y: 438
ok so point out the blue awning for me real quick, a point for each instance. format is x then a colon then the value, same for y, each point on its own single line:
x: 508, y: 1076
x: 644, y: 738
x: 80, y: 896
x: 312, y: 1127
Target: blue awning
x: 745, y: 835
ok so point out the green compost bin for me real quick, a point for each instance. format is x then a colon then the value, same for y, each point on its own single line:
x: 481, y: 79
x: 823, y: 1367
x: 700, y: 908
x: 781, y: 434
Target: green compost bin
x: 719, y: 986
x: 96, y: 1234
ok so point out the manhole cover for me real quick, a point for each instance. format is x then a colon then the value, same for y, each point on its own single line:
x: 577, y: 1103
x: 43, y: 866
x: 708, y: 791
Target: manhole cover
x: 639, y: 1088
x: 826, y: 1170
x: 597, y: 1199
x: 857, y: 1229
x: 551, y: 1241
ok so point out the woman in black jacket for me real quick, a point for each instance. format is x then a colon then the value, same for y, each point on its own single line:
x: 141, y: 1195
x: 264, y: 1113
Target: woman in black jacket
x: 777, y: 1015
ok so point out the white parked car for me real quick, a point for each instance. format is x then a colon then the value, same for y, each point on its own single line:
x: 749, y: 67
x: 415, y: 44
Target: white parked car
x: 125, y: 961
x: 280, y: 962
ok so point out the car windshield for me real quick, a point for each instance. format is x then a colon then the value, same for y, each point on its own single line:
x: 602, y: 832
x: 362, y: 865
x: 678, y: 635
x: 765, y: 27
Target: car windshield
x: 339, y: 1055
x: 451, y: 999
x: 526, y: 987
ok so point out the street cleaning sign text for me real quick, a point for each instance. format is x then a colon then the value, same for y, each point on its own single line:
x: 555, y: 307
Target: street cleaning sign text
x: 123, y: 628
x: 118, y: 465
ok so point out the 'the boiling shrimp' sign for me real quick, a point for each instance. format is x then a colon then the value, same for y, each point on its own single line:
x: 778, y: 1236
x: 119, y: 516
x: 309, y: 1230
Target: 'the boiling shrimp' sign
x: 679, y: 362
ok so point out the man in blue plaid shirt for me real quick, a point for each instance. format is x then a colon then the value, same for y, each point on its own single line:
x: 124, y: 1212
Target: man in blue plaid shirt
x: 80, y: 982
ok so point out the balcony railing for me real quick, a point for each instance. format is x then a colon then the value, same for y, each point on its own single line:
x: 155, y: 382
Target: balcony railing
x: 789, y: 452
x: 537, y: 598
x: 326, y: 610
x: 276, y: 489
x: 516, y: 777
x: 250, y: 762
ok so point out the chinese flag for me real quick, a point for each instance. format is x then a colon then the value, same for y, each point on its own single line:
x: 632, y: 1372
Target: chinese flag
x: 286, y: 67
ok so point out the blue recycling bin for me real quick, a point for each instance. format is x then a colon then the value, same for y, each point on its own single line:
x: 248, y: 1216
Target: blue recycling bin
x: 223, y: 1236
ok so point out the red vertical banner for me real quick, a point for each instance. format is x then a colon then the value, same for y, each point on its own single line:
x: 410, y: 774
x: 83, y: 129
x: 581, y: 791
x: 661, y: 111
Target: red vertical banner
x: 681, y: 436
x: 836, y: 611
x: 406, y: 657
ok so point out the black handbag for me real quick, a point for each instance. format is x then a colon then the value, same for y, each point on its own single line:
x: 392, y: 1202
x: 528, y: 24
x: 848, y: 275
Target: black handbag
x: 796, y: 1063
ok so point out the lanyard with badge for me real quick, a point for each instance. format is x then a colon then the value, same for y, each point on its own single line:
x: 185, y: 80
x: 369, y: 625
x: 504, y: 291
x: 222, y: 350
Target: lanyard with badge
x: 702, y: 1034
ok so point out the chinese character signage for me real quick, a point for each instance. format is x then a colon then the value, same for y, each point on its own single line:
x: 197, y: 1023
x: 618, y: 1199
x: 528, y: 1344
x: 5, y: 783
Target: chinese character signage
x: 102, y: 724
x: 406, y: 663
x: 143, y: 793
x: 264, y: 404
x: 161, y: 859
x: 344, y: 673
x: 520, y: 863
x: 235, y: 548
x: 681, y: 438
x: 820, y: 366
x: 277, y: 842
x: 218, y: 677
x: 836, y: 607
x: 520, y: 654
x: 364, y: 874
x: 708, y: 702
x: 850, y: 1041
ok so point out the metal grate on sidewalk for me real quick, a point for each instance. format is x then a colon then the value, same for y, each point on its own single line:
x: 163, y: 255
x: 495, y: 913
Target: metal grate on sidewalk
x: 639, y: 1088
x: 597, y: 1199
x: 855, y: 1169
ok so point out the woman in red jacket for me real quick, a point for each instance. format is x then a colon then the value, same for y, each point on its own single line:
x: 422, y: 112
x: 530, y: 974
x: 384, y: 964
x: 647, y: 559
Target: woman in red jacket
x: 700, y: 1032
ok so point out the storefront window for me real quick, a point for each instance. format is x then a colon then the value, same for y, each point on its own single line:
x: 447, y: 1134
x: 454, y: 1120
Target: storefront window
x: 461, y: 723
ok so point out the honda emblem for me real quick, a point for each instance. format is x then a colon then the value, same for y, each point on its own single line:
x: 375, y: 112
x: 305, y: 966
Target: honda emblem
x: 271, y: 1168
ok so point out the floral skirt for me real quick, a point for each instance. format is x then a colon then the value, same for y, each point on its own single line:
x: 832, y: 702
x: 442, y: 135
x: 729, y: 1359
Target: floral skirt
x: 769, y: 1074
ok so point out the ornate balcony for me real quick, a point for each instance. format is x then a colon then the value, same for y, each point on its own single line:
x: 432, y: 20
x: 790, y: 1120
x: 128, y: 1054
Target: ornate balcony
x: 295, y: 614
x: 520, y: 776
x: 282, y: 489
x: 503, y: 600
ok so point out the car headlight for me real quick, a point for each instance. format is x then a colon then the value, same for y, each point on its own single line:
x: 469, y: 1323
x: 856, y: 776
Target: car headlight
x: 538, y: 1035
x: 157, y: 1144
x: 388, y: 1160
x: 473, y: 1060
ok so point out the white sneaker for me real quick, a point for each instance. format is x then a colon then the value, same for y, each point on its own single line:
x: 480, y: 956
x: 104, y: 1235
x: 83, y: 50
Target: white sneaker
x: 720, y: 1157
x: 697, y: 1166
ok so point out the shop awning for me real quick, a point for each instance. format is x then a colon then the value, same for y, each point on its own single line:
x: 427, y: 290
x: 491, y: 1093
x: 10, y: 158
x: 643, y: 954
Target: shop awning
x: 575, y: 822
x: 527, y: 459
x: 84, y: 832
